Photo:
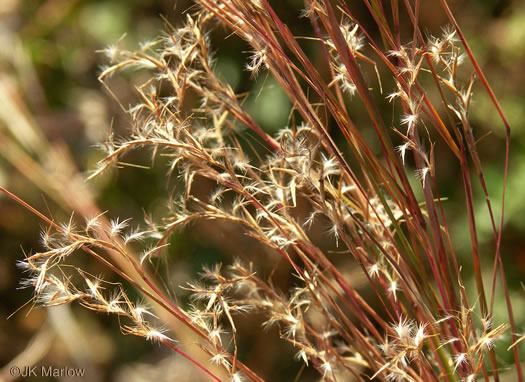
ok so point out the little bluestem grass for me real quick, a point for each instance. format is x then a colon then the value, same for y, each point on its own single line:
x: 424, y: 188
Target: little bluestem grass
x: 413, y: 321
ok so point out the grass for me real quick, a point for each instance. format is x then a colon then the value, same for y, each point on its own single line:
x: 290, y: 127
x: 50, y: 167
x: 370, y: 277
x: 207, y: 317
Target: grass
x: 324, y: 206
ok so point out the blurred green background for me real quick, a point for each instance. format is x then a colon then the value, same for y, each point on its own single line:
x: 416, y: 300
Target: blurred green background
x: 48, y: 84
